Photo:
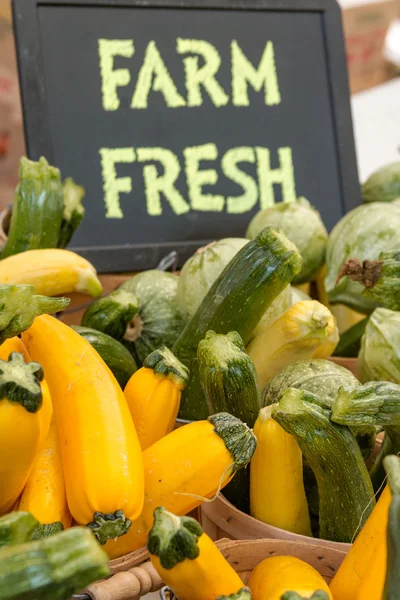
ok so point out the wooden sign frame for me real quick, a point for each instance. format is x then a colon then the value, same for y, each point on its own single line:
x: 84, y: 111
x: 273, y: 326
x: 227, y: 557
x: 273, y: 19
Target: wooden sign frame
x: 37, y: 125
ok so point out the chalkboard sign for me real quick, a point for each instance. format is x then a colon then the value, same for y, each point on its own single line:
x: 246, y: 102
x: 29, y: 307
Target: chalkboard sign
x: 182, y: 118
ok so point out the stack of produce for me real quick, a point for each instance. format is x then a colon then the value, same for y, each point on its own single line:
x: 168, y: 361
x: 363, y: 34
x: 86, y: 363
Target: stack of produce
x: 230, y: 345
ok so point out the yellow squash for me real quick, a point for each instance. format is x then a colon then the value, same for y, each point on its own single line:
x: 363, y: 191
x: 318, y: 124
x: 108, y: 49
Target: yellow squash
x: 295, y: 335
x: 21, y: 426
x: 189, y: 464
x: 100, y: 451
x: 53, y: 272
x: 46, y: 411
x: 44, y: 495
x: 347, y: 581
x: 189, y: 562
x: 276, y: 575
x: 277, y: 495
x: 153, y: 394
x: 373, y: 582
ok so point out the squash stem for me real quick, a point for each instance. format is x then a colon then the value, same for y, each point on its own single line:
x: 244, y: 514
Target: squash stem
x: 109, y: 526
x: 243, y: 594
x: 318, y: 595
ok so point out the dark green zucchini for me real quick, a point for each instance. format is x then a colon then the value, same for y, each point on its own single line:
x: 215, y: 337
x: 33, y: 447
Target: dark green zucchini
x: 115, y: 355
x: 37, y: 209
x: 53, y: 568
x: 17, y: 528
x: 392, y: 581
x: 159, y: 321
x: 350, y: 340
x: 229, y: 381
x: 73, y: 211
x: 346, y: 496
x: 112, y: 313
x: 236, y: 302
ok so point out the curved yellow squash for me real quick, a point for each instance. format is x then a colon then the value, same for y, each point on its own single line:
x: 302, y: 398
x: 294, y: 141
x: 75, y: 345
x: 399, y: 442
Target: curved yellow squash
x: 186, y: 466
x: 348, y: 579
x: 279, y: 574
x: 53, y: 272
x: 373, y: 583
x: 277, y: 495
x: 153, y: 394
x: 46, y: 412
x: 100, y: 450
x: 44, y: 495
x: 188, y: 561
x: 21, y: 435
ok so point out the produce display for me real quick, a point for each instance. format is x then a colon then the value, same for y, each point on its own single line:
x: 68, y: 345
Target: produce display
x: 175, y: 388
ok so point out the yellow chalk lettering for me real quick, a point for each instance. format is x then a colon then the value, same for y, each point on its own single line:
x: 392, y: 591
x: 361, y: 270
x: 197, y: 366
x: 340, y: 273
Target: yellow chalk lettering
x: 112, y: 78
x: 229, y: 163
x: 244, y: 73
x: 196, y: 179
x: 154, y: 67
x: 113, y: 186
x: 156, y: 184
x: 201, y: 76
x: 283, y: 175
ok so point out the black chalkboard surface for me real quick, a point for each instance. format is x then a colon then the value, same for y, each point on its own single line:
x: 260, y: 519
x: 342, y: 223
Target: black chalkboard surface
x: 182, y: 118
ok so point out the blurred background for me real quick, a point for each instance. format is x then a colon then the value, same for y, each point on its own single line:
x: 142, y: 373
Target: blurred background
x: 372, y: 32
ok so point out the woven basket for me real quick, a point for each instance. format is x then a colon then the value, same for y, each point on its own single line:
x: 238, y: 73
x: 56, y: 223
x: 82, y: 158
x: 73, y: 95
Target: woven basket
x: 138, y: 578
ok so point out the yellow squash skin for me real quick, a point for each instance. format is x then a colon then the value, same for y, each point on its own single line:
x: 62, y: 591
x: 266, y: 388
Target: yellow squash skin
x: 279, y: 574
x: 153, y: 394
x: 186, y: 466
x: 347, y: 581
x: 53, y: 272
x: 277, y: 495
x: 373, y: 583
x: 44, y: 495
x: 206, y: 577
x: 100, y: 451
x: 46, y: 411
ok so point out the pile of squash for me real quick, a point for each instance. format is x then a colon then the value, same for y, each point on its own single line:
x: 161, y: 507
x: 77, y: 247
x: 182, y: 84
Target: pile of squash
x: 235, y: 350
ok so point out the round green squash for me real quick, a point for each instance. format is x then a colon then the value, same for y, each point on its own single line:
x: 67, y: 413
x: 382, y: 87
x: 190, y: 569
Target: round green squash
x: 158, y: 321
x: 383, y: 185
x: 302, y: 224
x: 363, y: 233
x: 379, y: 357
x: 201, y: 270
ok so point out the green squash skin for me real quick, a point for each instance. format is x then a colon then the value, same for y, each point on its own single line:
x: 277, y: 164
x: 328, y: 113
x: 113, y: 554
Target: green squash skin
x: 379, y: 356
x: 318, y: 595
x: 392, y: 582
x: 333, y: 454
x: 73, y: 213
x: 383, y: 185
x: 17, y: 528
x: 159, y: 321
x: 229, y: 381
x: 37, y: 210
x: 321, y: 377
x: 53, y: 568
x: 374, y: 403
x: 117, y: 358
x: 236, y: 302
x: 302, y: 224
x: 350, y: 340
x: 201, y: 270
x: 112, y: 313
x: 390, y: 445
x: 363, y: 233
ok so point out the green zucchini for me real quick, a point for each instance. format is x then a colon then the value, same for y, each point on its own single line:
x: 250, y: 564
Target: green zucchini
x: 390, y: 445
x: 115, y: 355
x: 236, y: 302
x: 112, y: 313
x: 392, y: 581
x: 53, y: 568
x: 159, y: 321
x: 17, y: 528
x: 346, y: 495
x: 73, y: 212
x: 37, y: 209
x: 229, y: 381
x: 350, y: 340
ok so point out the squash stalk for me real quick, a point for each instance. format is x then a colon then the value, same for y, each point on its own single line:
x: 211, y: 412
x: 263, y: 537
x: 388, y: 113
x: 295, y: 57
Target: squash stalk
x: 319, y: 595
x: 392, y: 583
x: 73, y: 211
